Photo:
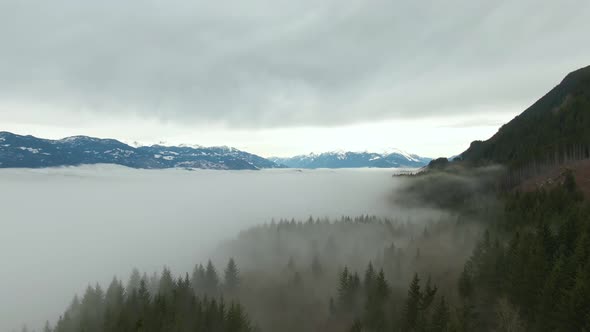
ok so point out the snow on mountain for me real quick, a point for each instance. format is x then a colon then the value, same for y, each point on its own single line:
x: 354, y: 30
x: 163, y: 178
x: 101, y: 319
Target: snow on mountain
x: 408, y: 156
x: 33, y: 152
x: 392, y: 158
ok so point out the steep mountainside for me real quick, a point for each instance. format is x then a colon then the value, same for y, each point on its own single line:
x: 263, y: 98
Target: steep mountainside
x: 392, y: 159
x: 32, y: 152
x: 554, y: 129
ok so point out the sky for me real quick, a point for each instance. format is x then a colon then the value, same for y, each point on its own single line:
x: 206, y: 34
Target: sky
x: 279, y: 77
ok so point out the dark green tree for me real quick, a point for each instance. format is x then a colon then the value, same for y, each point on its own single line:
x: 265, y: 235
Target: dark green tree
x: 166, y: 283
x: 412, y: 306
x: 465, y: 284
x: 441, y: 317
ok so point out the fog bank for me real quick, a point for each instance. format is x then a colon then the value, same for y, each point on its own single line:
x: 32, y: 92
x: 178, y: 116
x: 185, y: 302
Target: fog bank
x: 64, y: 228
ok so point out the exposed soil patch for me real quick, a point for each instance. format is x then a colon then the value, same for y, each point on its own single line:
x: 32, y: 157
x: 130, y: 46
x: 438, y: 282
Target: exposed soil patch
x: 580, y: 169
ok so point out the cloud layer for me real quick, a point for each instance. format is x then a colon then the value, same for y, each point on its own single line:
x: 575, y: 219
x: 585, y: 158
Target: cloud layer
x: 64, y: 228
x: 269, y: 64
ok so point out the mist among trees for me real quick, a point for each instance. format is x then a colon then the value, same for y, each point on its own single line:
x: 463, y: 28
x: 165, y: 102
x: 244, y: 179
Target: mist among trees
x: 489, y: 260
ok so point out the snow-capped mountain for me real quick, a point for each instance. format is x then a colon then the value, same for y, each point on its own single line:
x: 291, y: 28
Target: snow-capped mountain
x: 33, y: 152
x: 392, y: 158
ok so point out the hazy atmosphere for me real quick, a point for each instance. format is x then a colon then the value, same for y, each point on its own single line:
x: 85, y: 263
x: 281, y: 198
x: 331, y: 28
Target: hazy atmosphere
x: 294, y: 166
x: 84, y: 225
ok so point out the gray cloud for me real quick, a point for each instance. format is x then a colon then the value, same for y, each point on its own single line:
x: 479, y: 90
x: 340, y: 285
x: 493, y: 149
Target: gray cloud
x: 275, y: 63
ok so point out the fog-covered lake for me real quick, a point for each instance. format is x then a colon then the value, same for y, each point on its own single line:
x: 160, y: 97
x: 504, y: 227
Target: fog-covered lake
x: 64, y: 228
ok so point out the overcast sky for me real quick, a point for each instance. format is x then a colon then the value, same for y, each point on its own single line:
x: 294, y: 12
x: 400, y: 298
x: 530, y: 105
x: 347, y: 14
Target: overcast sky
x: 282, y: 77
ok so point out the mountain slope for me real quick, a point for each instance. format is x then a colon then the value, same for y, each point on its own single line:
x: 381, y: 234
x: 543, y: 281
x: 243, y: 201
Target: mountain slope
x: 555, y: 128
x: 33, y: 152
x: 393, y: 159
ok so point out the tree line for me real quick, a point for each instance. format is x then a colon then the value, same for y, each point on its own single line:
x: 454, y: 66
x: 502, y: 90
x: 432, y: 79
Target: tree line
x: 159, y: 303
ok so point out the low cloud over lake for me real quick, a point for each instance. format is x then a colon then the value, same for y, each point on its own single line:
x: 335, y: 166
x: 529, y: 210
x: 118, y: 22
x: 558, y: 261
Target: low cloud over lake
x: 66, y: 227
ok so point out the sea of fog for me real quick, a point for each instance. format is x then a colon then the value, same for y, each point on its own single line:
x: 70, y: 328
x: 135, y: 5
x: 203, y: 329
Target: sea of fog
x: 63, y: 228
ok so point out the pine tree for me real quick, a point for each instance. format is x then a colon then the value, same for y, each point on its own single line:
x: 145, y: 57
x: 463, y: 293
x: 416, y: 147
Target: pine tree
x: 412, y: 306
x: 576, y: 302
x: 65, y: 324
x: 441, y: 317
x: 465, y: 317
x: 354, y: 283
x: 237, y: 320
x: 375, y: 318
x: 369, y: 280
x: 115, y: 295
x: 211, y: 280
x: 549, y: 298
x: 428, y: 295
x: 134, y: 280
x: 143, y: 295
x: 547, y: 240
x: 154, y: 283
x: 92, y: 309
x: 198, y: 279
x: 344, y: 290
x: 166, y: 283
x: 382, y: 290
x: 231, y: 277
x: 114, y: 301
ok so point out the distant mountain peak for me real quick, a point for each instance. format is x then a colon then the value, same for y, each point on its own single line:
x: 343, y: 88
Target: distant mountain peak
x: 392, y: 158
x: 402, y: 152
x: 75, y: 138
x: 192, y: 146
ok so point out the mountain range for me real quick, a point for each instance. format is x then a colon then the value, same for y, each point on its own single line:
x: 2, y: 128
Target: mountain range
x: 33, y: 152
x: 341, y: 159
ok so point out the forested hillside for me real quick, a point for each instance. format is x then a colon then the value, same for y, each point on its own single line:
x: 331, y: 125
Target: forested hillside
x: 534, y: 261
x: 292, y: 270
x: 528, y: 272
x: 554, y: 129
